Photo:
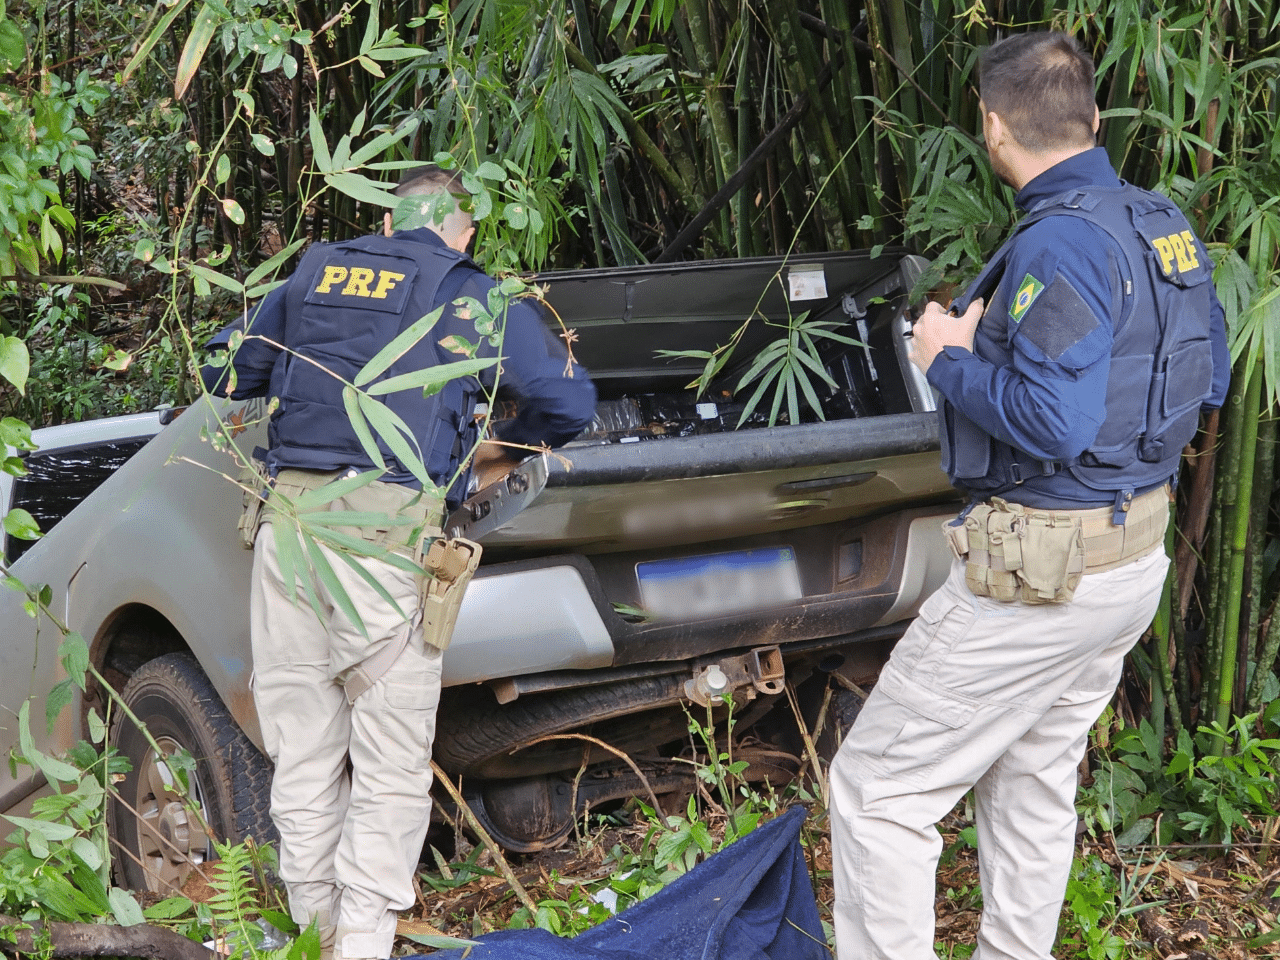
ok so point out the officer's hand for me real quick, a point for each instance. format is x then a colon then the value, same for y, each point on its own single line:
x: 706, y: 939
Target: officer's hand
x: 937, y: 329
x: 491, y: 463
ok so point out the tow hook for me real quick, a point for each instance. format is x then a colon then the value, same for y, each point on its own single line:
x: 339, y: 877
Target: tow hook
x: 740, y: 678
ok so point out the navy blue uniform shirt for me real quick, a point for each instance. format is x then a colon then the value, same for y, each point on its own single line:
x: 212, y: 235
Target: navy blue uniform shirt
x: 555, y: 402
x: 1052, y: 409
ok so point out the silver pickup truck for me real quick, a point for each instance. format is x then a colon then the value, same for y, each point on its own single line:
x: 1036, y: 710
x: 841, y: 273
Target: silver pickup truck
x: 672, y: 559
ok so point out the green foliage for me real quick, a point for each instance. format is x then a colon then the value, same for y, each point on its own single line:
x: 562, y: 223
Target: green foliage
x: 790, y: 369
x: 41, y: 137
x: 511, y: 129
x: 58, y: 863
x: 590, y: 133
x: 671, y: 847
x: 579, y: 911
x: 1091, y: 912
x: 59, y: 857
x: 1098, y: 898
x: 1207, y: 791
x: 793, y: 366
x: 235, y: 915
x: 959, y: 211
x: 672, y: 844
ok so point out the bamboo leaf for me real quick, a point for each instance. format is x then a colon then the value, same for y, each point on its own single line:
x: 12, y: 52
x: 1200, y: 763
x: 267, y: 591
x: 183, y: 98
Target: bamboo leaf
x: 810, y: 361
x: 381, y: 142
x: 398, y: 52
x: 292, y: 563
x: 815, y: 330
x: 395, y: 433
x: 361, y: 188
x: 341, y: 159
x: 765, y: 381
x: 333, y: 586
x: 767, y: 356
x: 793, y: 400
x: 371, y: 66
x: 276, y: 261
x: 202, y: 31
x: 372, y: 580
x: 397, y: 348
x: 319, y: 147
x: 341, y: 487
x: 432, y: 379
x: 779, y: 391
x: 216, y: 278
x: 807, y: 387
x: 351, y: 401
x: 151, y: 39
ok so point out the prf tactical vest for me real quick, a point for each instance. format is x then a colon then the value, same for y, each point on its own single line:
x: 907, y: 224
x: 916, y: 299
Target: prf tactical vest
x: 1161, y: 359
x: 345, y: 303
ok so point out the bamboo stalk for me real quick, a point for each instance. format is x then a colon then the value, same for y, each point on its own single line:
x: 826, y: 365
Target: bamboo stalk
x: 1199, y: 501
x: 742, y: 106
x: 735, y: 182
x: 495, y: 851
x: 810, y: 79
x: 640, y: 139
x: 1239, y: 537
x: 1225, y: 499
x: 724, y: 154
x: 1270, y: 644
x: 882, y: 71
x: 1162, y: 645
x: 1260, y: 507
x: 861, y: 130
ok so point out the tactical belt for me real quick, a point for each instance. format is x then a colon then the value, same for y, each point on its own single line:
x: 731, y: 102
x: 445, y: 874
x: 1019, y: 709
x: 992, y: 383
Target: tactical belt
x: 410, y: 509
x: 1107, y: 546
x: 1013, y: 552
x: 411, y: 528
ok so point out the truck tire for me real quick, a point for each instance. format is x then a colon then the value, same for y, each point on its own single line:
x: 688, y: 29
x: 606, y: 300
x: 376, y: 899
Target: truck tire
x: 478, y: 737
x: 158, y: 840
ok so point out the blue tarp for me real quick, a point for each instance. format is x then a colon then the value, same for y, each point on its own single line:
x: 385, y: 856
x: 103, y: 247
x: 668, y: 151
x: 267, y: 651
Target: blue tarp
x: 750, y: 901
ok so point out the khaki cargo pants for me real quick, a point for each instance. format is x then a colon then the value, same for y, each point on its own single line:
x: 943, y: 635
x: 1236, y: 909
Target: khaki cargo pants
x: 998, y: 697
x: 349, y: 844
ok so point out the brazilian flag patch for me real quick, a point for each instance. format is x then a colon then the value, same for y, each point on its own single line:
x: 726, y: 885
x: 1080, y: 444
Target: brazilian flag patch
x: 1028, y: 290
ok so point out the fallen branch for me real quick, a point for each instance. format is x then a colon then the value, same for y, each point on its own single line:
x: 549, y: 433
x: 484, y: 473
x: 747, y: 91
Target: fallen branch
x: 494, y: 850
x: 98, y: 940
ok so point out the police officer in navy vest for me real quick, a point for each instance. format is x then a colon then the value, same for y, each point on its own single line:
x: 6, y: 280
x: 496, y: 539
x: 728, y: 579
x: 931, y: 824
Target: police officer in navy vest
x: 330, y: 692
x: 1071, y: 375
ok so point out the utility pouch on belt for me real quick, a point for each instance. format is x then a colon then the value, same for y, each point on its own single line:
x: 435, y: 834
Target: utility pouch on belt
x: 253, y: 480
x: 450, y: 564
x: 1012, y: 553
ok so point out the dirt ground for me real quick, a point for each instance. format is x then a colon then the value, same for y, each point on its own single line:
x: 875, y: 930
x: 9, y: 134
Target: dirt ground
x: 1192, y: 904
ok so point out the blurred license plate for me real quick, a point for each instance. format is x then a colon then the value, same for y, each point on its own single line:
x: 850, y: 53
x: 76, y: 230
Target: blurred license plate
x: 699, y: 587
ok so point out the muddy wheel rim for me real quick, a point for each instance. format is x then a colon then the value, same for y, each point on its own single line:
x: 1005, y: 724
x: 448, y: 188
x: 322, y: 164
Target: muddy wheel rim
x: 171, y: 840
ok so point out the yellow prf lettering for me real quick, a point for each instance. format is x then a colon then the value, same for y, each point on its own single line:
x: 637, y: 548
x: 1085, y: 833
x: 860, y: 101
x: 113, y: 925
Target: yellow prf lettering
x: 358, y: 282
x: 1165, y: 249
x: 331, y: 276
x: 1186, y: 260
x: 386, y: 280
x: 1189, y: 243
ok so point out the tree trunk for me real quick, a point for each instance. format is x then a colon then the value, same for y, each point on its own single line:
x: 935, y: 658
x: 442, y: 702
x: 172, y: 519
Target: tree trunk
x: 99, y: 940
